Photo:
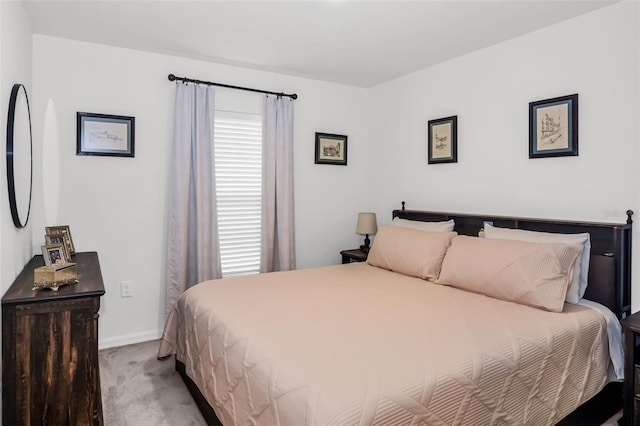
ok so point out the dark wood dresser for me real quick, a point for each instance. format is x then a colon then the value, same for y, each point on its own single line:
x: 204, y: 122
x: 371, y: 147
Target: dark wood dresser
x: 50, y: 372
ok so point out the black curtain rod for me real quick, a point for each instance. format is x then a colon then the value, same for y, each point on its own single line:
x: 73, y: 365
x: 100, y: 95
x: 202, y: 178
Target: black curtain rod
x: 209, y: 83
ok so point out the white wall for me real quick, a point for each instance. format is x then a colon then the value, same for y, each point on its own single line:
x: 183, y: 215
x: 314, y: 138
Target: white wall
x: 15, y: 67
x: 595, y: 55
x: 117, y: 206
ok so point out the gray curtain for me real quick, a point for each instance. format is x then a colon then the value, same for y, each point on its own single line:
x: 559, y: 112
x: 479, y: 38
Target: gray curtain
x: 192, y: 250
x: 278, y: 237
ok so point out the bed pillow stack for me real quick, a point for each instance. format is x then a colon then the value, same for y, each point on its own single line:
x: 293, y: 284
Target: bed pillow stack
x: 538, y: 269
x: 532, y: 274
x: 409, y: 251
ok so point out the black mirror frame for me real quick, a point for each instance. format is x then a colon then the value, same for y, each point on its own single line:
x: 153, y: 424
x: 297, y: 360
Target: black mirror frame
x: 10, y: 166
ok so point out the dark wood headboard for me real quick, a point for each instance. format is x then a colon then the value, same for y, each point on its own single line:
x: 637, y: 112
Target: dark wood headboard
x: 610, y: 262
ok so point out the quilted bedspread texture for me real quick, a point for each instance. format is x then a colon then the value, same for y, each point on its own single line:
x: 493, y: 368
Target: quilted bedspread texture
x: 357, y: 345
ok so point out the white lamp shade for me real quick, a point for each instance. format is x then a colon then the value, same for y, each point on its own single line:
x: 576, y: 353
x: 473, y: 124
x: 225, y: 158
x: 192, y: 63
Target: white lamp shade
x: 367, y: 224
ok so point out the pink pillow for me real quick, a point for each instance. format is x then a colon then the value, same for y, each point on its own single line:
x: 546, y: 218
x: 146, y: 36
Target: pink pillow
x: 410, y: 251
x: 533, y: 274
x: 580, y: 270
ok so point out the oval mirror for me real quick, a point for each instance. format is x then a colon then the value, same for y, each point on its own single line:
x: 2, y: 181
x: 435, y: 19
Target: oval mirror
x: 19, y: 156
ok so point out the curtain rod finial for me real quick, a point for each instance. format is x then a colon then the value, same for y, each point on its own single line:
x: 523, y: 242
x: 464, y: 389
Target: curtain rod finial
x: 172, y: 77
x: 294, y: 96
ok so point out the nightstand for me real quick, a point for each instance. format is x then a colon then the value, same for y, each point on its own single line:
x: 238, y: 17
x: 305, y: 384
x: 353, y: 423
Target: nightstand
x: 631, y: 326
x: 354, y: 255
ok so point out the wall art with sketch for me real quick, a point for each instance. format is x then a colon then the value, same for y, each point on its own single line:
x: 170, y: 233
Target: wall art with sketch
x: 553, y: 127
x: 331, y: 149
x: 106, y: 135
x: 443, y: 140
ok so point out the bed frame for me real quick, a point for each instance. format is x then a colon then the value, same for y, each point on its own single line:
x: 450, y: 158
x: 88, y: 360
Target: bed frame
x: 609, y: 285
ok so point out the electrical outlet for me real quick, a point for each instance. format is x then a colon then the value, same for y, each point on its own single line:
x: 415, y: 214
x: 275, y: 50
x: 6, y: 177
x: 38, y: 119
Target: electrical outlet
x: 126, y: 288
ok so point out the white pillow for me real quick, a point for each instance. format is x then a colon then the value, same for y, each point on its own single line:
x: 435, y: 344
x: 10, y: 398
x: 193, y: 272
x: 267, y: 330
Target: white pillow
x: 581, y: 271
x: 446, y: 226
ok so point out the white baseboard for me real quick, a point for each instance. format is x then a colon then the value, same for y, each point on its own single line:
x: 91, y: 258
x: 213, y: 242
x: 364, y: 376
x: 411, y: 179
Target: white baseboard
x: 129, y: 339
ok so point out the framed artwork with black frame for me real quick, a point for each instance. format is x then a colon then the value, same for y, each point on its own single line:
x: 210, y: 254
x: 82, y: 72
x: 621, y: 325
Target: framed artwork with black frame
x: 443, y: 140
x: 331, y: 149
x: 553, y: 127
x: 107, y: 135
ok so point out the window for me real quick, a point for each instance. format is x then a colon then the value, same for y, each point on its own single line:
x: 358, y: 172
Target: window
x: 238, y: 165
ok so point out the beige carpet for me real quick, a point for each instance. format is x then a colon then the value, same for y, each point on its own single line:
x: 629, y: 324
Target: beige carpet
x: 139, y: 390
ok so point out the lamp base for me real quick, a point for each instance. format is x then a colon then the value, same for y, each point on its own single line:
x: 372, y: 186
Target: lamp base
x: 365, y: 248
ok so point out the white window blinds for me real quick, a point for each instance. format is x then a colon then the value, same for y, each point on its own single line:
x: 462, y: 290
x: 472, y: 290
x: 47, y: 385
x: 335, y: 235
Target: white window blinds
x: 238, y: 165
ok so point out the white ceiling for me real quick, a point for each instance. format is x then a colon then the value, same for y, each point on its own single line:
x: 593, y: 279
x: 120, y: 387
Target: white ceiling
x: 359, y: 43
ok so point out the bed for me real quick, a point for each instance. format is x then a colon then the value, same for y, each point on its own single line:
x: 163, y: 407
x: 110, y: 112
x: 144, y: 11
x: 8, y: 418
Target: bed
x: 360, y: 344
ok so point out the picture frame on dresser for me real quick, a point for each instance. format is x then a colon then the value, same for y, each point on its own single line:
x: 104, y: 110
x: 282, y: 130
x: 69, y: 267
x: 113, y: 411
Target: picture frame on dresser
x: 54, y: 239
x: 55, y: 253
x: 53, y: 233
x: 553, y: 127
x: 442, y: 142
x: 105, y: 135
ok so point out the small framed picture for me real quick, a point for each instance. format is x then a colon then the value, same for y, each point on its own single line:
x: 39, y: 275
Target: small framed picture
x: 331, y: 149
x: 54, y: 233
x: 101, y: 134
x: 54, y: 239
x: 553, y: 127
x: 55, y: 254
x: 443, y: 140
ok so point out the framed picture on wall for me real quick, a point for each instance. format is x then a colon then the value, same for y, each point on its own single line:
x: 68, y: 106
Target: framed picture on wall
x: 331, y: 149
x: 553, y: 127
x: 107, y: 135
x: 443, y: 140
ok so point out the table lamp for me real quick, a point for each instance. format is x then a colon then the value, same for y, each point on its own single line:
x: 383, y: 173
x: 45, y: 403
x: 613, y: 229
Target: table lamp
x: 367, y: 225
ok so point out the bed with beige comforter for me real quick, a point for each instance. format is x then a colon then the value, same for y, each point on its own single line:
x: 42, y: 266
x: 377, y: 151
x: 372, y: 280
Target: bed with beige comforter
x: 359, y: 345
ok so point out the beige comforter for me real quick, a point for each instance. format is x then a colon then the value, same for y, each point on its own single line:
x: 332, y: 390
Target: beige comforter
x: 357, y: 345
